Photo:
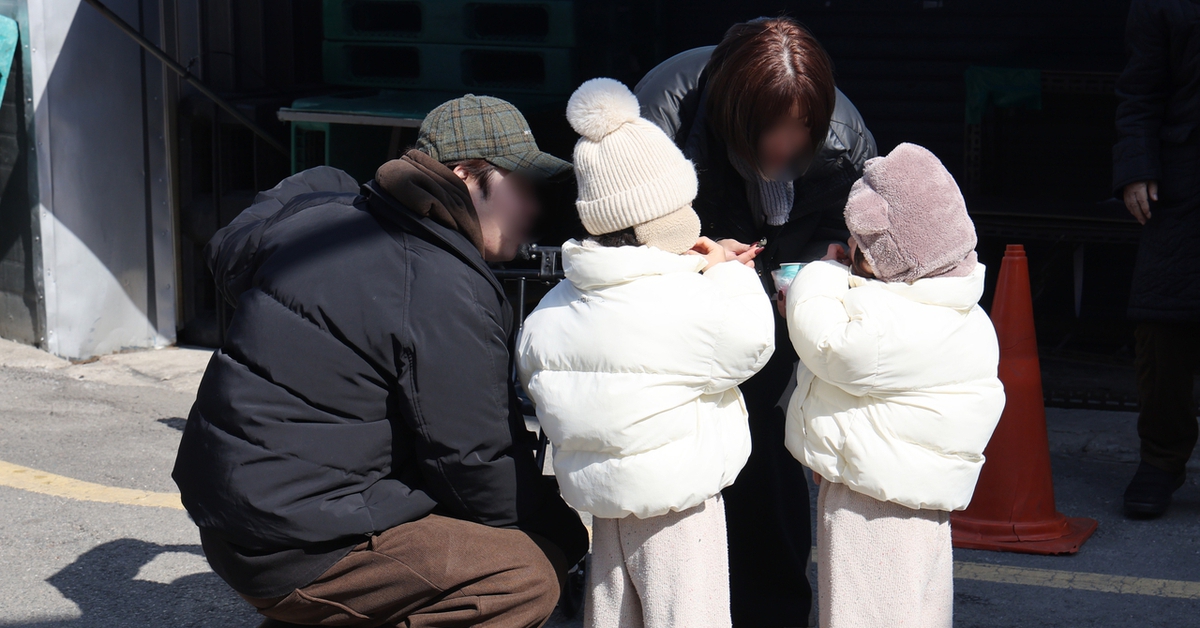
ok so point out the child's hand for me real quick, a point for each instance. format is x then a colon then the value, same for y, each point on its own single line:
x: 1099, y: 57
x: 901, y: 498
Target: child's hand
x: 712, y: 252
x: 837, y: 253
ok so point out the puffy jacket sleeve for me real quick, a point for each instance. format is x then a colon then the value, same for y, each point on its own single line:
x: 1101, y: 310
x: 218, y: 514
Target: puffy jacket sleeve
x: 662, y: 92
x: 838, y: 348
x: 472, y: 451
x: 1143, y: 88
x: 848, y: 134
x: 468, y: 451
x: 746, y: 334
x: 232, y: 251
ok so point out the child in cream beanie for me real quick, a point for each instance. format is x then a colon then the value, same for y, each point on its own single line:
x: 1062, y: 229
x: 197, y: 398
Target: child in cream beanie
x: 633, y: 362
x: 630, y: 173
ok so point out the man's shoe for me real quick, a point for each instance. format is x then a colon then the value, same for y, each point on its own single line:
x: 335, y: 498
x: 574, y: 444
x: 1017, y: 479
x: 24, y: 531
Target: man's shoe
x: 1149, y: 492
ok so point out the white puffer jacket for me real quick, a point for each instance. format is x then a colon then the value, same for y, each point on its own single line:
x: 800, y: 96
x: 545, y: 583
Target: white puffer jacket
x: 634, y: 363
x: 897, y: 393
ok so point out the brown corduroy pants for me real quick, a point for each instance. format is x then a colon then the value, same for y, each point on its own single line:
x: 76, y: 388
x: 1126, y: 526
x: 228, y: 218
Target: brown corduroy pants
x: 435, y: 571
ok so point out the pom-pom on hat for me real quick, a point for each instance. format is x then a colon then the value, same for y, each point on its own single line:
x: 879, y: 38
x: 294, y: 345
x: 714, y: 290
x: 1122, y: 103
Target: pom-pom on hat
x: 630, y: 173
x: 909, y: 218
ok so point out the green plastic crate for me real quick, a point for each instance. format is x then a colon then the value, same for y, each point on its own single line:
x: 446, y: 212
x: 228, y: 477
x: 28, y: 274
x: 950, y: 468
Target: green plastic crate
x: 358, y: 146
x: 493, y: 22
x: 447, y: 67
x: 410, y: 105
x: 359, y: 150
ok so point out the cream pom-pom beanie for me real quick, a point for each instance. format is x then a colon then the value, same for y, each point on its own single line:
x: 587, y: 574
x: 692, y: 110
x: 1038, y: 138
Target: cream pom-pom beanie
x: 630, y: 173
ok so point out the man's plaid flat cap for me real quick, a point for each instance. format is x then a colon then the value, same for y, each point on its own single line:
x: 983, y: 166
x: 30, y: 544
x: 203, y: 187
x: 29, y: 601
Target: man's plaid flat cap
x: 483, y: 127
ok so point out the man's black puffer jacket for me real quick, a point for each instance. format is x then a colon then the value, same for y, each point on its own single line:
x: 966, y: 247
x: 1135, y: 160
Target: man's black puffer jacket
x: 364, y: 382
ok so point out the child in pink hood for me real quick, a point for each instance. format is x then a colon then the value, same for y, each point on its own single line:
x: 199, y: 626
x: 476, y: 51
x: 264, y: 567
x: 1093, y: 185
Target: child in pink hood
x: 897, y: 393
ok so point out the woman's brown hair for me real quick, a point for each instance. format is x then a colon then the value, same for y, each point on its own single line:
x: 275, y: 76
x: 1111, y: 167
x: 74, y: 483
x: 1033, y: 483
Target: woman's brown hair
x: 757, y: 73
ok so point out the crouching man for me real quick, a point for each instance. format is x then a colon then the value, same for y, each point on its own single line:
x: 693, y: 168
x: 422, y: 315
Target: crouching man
x: 356, y: 455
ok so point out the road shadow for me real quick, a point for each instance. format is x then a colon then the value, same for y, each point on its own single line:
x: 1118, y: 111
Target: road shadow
x: 174, y: 422
x: 103, y: 584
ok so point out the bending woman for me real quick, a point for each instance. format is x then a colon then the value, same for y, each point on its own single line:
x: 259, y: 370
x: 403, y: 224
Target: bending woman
x: 776, y: 147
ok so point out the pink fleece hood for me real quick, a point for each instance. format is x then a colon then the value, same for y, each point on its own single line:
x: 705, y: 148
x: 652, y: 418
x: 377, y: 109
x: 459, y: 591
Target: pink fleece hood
x: 909, y: 217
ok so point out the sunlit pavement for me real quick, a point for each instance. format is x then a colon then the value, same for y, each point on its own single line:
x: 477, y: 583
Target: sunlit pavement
x: 91, y: 533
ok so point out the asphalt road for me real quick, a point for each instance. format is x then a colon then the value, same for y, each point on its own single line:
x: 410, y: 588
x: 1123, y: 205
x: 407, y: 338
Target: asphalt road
x: 1094, y: 454
x: 68, y: 561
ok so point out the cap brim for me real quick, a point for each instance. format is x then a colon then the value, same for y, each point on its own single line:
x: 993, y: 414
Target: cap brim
x: 536, y: 165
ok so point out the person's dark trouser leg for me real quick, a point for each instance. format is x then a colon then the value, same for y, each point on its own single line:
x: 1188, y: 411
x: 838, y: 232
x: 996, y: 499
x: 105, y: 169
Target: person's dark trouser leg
x: 436, y: 571
x: 770, y: 535
x: 1165, y: 362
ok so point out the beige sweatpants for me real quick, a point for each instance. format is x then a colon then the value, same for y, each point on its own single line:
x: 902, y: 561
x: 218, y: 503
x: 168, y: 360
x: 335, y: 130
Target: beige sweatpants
x: 662, y: 572
x: 881, y: 564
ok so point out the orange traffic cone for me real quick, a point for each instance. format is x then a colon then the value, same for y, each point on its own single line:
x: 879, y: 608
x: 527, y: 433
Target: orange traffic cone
x: 1013, y: 507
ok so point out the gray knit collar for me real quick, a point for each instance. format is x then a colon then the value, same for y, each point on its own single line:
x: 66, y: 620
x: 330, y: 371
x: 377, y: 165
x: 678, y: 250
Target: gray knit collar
x: 771, y: 200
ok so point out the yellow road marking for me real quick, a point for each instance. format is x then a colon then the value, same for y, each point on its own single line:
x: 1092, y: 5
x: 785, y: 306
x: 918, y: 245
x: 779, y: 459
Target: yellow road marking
x: 26, y: 479
x: 1078, y: 581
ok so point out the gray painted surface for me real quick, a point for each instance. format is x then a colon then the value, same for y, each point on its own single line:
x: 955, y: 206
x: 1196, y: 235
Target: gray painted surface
x: 103, y: 180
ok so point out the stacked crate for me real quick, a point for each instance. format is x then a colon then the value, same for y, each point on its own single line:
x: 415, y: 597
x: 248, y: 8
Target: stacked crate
x: 520, y: 50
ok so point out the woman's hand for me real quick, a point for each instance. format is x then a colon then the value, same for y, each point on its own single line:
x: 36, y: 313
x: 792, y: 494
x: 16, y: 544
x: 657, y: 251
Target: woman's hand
x: 711, y: 251
x: 744, y: 253
x: 816, y: 478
